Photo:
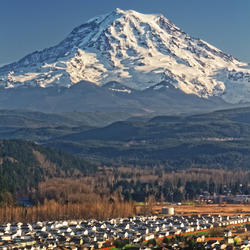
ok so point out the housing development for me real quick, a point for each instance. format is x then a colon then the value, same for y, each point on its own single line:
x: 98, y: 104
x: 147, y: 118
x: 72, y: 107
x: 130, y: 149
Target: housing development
x: 138, y: 232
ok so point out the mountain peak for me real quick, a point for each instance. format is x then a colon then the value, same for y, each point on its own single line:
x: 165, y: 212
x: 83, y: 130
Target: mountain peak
x: 137, y: 50
x: 130, y: 12
x: 120, y: 11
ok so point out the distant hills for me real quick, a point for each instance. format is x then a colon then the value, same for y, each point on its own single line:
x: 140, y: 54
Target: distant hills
x: 216, y: 139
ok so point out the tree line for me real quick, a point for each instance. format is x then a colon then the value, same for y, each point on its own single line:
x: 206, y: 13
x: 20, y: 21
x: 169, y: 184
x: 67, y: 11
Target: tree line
x: 137, y: 184
x: 52, y: 210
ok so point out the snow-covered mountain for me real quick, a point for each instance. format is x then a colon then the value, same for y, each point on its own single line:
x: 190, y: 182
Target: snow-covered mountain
x: 137, y: 50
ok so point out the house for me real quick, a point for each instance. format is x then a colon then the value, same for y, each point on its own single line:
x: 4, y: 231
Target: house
x: 223, y: 246
x: 230, y: 241
x: 76, y: 240
x: 200, y: 239
x: 228, y: 234
x: 6, y: 237
x: 149, y: 237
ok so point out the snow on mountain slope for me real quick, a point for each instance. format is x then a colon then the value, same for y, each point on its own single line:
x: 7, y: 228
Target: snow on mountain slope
x: 138, y: 51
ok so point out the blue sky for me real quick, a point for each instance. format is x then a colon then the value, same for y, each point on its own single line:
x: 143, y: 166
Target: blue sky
x: 29, y: 25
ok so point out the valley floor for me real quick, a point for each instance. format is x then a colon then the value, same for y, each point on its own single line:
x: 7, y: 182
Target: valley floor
x: 223, y: 209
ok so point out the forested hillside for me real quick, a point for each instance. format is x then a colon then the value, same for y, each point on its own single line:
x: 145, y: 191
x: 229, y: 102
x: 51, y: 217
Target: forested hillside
x: 24, y: 164
x: 219, y: 139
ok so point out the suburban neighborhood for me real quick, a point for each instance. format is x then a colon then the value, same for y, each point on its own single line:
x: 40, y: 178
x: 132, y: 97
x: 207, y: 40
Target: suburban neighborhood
x: 140, y: 232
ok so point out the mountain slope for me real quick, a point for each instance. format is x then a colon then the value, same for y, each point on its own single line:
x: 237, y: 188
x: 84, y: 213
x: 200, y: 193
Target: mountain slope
x: 138, y: 51
x: 217, y: 139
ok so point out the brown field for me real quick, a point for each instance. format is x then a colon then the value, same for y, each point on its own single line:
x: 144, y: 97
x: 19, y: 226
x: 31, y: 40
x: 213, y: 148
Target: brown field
x: 223, y: 209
